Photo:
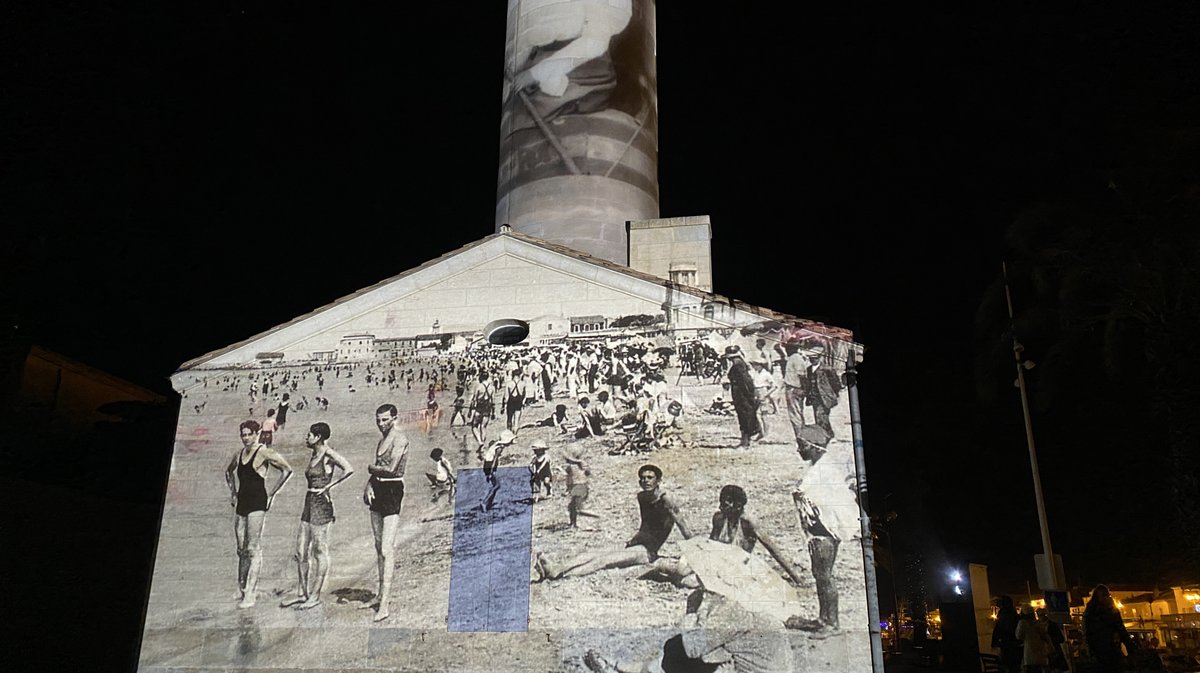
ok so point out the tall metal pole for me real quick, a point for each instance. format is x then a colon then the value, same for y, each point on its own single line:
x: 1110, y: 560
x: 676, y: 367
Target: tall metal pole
x: 868, y: 543
x: 1033, y: 461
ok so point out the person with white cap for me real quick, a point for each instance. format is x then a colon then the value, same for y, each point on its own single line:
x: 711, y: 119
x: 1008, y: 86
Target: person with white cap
x: 795, y: 385
x: 824, y: 386
x: 490, y: 455
x: 577, y: 484
x: 764, y: 388
x: 540, y: 478
x: 828, y: 509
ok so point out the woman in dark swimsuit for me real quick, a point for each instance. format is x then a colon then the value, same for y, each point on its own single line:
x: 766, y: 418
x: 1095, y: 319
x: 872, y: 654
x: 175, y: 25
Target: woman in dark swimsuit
x: 281, y: 412
x: 312, y: 543
x: 246, y: 477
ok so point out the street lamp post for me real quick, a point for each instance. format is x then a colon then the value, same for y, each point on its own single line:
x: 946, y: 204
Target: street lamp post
x: 1022, y: 365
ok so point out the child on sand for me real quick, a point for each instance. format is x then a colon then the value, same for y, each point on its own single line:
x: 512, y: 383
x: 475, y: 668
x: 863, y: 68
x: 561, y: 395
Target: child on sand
x: 458, y: 406
x: 721, y: 406
x: 540, y: 477
x: 577, y: 484
x: 442, y: 481
x: 559, y: 419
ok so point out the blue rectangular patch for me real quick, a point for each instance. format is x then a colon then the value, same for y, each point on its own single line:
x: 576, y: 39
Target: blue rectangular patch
x: 489, y: 569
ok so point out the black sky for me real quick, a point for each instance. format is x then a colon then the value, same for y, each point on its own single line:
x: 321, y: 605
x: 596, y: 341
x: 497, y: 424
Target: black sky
x: 181, y: 179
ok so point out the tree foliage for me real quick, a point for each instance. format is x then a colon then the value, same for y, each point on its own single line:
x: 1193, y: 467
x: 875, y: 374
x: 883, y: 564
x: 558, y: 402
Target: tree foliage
x: 1106, y: 291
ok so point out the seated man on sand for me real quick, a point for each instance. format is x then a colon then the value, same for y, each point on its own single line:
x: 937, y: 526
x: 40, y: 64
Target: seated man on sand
x: 659, y: 516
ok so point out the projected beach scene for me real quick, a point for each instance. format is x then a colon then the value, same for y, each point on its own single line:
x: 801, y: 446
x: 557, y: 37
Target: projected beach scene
x: 385, y: 488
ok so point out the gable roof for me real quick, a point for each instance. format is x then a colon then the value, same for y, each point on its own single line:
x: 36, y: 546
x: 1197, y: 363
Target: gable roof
x: 475, y: 252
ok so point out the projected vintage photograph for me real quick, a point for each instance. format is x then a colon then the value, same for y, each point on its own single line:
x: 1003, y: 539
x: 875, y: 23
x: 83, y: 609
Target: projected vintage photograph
x: 579, y: 94
x: 386, y: 487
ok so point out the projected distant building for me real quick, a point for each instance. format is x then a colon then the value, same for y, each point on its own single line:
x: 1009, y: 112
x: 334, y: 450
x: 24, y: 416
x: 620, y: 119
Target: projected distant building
x: 585, y: 500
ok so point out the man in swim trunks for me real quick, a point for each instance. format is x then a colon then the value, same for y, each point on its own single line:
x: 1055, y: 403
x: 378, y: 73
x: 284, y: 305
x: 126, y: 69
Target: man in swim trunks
x: 248, y: 494
x: 483, y: 406
x: 659, y: 516
x: 383, y: 495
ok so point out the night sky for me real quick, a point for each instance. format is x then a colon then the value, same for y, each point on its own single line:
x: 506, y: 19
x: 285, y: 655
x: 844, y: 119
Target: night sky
x: 177, y: 180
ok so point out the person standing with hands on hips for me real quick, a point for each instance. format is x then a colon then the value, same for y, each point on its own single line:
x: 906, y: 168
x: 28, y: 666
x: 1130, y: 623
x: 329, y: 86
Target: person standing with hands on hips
x: 312, y: 540
x: 250, y: 499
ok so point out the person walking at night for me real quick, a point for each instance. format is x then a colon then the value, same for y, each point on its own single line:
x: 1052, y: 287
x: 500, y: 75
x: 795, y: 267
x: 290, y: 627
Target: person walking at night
x: 1035, y: 642
x: 248, y: 494
x: 1105, y: 631
x: 1004, y: 636
x: 745, y: 400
